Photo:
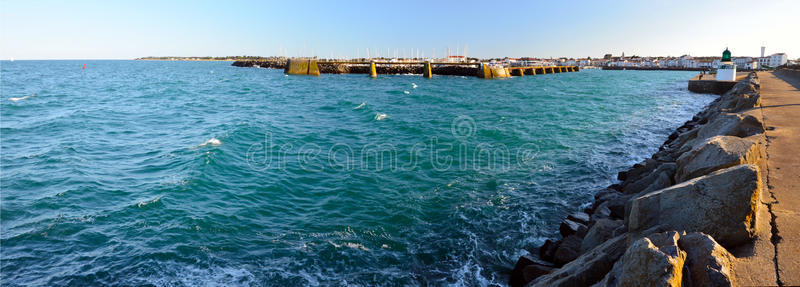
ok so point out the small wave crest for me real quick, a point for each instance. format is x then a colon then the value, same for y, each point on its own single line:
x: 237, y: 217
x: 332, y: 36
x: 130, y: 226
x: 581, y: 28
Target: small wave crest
x: 211, y: 142
x: 380, y: 116
x: 146, y: 202
x: 363, y: 104
x: 20, y: 98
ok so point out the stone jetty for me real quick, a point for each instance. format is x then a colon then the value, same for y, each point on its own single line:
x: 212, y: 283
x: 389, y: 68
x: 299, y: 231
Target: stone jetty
x: 309, y: 66
x: 700, y: 212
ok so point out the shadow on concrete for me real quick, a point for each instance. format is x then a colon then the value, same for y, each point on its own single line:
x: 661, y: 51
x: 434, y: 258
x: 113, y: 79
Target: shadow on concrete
x: 789, y: 76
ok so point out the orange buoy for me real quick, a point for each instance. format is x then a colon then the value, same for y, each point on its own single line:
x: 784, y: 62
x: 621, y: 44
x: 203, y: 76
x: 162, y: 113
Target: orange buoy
x: 84, y: 66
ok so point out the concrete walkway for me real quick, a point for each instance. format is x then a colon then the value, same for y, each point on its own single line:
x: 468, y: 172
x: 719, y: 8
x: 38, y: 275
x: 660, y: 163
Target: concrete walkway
x: 780, y: 105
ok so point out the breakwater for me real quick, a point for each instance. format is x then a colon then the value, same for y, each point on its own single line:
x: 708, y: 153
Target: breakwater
x: 385, y: 69
x: 692, y: 211
x: 427, y: 69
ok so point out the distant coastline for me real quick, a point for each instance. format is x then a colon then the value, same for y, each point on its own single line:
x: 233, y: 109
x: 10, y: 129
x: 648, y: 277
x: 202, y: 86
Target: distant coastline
x: 227, y: 58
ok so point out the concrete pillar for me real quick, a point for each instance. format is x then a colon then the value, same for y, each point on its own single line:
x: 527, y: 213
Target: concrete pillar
x: 372, y: 71
x: 427, y: 70
x: 533, y: 71
x: 484, y: 72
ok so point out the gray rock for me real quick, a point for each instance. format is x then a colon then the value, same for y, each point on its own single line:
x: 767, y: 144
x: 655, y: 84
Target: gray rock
x: 742, y: 125
x: 603, y: 196
x: 579, y: 217
x: 568, y: 250
x: 717, y: 153
x: 653, y: 261
x: 601, y: 231
x: 548, y: 249
x: 709, y: 264
x: 533, y: 271
x: 639, y: 170
x: 587, y: 269
x: 569, y: 227
x: 617, y: 205
x: 526, y: 269
x: 664, y: 170
x: 722, y: 204
x: 601, y: 212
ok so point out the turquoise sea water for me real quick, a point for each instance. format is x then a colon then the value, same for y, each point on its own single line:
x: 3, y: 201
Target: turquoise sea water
x: 200, y: 173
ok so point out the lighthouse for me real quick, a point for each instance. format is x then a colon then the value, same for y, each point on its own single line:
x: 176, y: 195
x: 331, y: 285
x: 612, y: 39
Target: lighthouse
x: 726, y: 70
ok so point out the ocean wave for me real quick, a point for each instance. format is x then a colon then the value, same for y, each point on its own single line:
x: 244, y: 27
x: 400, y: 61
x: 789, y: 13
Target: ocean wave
x: 148, y: 202
x: 211, y: 142
x: 380, y: 116
x: 20, y: 98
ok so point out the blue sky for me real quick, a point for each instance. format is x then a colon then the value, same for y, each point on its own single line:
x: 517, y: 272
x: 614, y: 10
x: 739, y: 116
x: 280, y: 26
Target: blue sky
x: 130, y: 29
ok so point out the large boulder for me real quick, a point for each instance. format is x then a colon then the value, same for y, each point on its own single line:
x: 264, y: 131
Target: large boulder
x: 533, y: 271
x: 527, y: 269
x: 655, y: 260
x: 601, y: 231
x: 617, y: 205
x: 569, y: 227
x: 722, y: 204
x: 717, y: 153
x: 568, y: 250
x: 548, y: 250
x: 587, y: 269
x: 638, y: 171
x: 709, y: 264
x: 653, y: 180
x: 579, y: 217
x: 743, y: 124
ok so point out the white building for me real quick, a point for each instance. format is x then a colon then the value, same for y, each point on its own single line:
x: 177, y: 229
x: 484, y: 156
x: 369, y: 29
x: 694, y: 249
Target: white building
x: 746, y: 63
x: 778, y: 59
x: 773, y: 60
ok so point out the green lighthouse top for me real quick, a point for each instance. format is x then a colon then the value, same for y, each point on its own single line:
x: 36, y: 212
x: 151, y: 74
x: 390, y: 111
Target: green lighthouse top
x: 726, y: 55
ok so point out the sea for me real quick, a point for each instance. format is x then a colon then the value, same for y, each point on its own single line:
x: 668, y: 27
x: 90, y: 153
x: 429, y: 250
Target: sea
x: 169, y: 173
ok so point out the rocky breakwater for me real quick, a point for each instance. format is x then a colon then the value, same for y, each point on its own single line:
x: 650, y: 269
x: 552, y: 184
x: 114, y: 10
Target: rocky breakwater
x: 397, y: 69
x: 678, y: 218
x: 382, y: 69
x: 279, y: 63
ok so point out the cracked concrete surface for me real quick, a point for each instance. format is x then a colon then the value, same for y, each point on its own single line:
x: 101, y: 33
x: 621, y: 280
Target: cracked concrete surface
x: 780, y: 105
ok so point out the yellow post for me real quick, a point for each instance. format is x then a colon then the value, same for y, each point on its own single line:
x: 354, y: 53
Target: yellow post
x: 521, y: 72
x: 533, y: 71
x: 561, y: 69
x: 544, y: 70
x: 372, y: 71
x: 427, y: 72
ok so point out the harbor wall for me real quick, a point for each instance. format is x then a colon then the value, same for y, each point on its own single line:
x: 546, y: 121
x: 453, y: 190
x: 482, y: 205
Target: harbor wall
x: 693, y: 210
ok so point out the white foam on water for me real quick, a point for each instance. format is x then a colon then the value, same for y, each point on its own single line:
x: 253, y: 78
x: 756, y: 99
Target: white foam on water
x: 413, y: 85
x: 175, y: 274
x: 212, y: 142
x: 350, y: 245
x: 379, y: 116
x: 145, y: 203
x: 363, y: 104
x: 406, y: 92
x: 21, y: 98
